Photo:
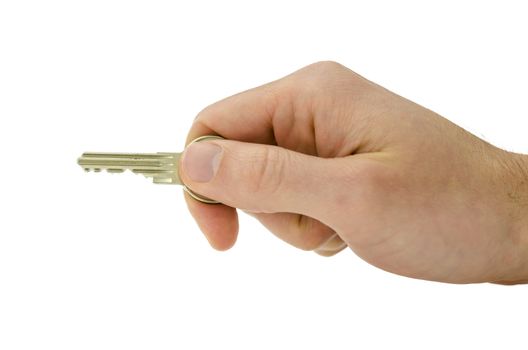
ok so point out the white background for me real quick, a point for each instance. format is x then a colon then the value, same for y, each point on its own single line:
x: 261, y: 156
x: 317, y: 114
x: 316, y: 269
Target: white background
x: 99, y: 261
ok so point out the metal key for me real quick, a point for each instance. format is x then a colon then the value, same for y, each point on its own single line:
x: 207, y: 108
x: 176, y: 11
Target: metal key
x: 162, y: 167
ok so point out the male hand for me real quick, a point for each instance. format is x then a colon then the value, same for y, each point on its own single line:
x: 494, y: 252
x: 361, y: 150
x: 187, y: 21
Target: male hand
x: 326, y: 159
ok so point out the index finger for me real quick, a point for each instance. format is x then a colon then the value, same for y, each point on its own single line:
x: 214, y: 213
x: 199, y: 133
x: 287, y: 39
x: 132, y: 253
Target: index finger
x: 247, y: 116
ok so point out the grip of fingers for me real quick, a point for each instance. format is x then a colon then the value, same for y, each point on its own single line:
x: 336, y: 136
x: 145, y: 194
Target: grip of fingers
x: 204, y: 170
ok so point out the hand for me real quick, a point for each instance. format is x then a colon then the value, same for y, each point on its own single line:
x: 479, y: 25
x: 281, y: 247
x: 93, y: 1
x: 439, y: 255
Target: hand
x: 326, y: 159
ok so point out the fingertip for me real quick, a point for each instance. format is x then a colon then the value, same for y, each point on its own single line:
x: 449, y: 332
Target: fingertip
x: 218, y: 222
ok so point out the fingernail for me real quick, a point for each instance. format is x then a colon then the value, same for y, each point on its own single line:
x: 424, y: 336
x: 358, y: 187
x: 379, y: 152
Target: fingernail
x: 201, y: 160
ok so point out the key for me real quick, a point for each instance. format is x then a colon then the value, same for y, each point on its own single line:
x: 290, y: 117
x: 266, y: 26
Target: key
x: 162, y: 167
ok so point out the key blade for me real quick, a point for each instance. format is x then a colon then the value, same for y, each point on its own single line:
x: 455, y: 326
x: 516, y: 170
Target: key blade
x: 161, y: 167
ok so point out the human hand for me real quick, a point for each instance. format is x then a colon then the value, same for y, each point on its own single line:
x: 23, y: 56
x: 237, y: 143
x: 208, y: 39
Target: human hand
x: 326, y: 159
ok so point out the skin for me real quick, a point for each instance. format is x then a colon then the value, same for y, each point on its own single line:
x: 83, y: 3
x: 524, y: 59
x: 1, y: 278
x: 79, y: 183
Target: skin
x: 328, y: 160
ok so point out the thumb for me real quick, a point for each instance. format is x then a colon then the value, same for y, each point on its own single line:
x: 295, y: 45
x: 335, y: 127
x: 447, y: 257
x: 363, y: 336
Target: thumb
x: 260, y: 178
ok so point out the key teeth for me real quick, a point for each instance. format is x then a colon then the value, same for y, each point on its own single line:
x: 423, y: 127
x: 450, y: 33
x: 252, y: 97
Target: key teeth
x: 98, y: 170
x: 163, y: 180
x: 146, y: 176
x: 161, y: 167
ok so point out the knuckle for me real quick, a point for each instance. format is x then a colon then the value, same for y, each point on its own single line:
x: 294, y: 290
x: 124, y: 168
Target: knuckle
x: 326, y: 70
x: 206, y: 111
x: 210, y: 112
x: 320, y: 76
x: 328, y: 66
x: 268, y: 171
x: 321, y: 69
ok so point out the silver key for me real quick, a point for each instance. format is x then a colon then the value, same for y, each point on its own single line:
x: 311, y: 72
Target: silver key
x: 163, y: 168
